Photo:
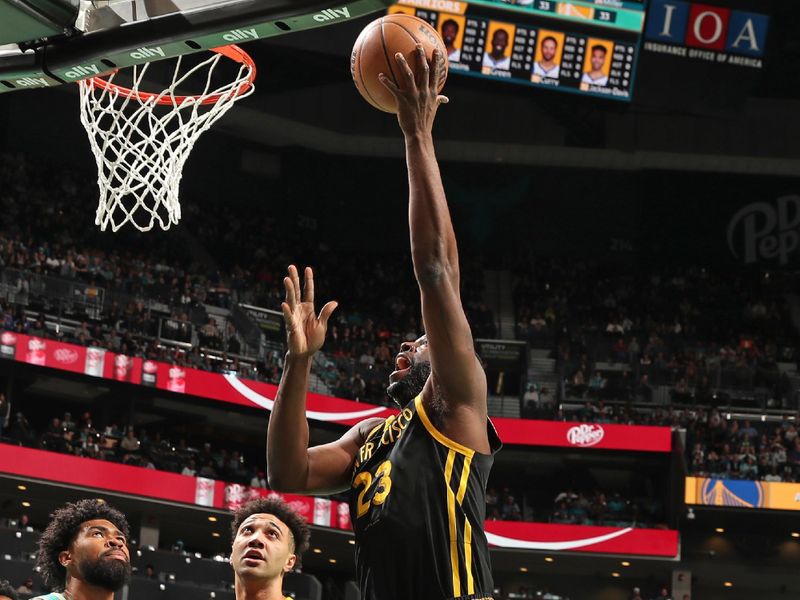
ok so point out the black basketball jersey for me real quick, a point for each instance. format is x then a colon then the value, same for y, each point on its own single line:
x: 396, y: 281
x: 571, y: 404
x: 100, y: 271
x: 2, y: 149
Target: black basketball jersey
x: 417, y: 504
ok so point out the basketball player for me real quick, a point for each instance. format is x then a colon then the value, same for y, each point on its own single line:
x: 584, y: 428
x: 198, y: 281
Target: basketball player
x: 595, y: 75
x: 450, y: 30
x: 548, y: 67
x: 496, y: 58
x: 417, y: 480
x: 7, y: 591
x: 83, y: 553
x: 268, y: 539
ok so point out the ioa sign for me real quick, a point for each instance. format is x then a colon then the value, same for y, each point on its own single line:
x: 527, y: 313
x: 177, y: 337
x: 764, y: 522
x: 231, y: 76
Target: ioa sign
x: 764, y: 231
x: 706, y: 32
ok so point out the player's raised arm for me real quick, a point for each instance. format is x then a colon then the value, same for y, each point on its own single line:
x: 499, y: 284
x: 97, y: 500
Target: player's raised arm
x: 291, y: 465
x: 457, y: 374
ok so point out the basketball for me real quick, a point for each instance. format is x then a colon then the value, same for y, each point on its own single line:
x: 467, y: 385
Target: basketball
x: 374, y: 51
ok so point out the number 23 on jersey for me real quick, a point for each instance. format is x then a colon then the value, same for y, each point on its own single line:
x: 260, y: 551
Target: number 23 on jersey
x: 380, y: 484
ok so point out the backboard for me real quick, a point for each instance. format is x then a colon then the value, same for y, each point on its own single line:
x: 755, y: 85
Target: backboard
x: 45, y: 43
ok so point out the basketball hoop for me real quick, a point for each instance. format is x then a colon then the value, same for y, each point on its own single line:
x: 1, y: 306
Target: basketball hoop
x: 141, y: 140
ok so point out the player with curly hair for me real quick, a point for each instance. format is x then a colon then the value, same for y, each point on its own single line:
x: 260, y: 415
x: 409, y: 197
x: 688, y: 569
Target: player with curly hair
x: 84, y: 551
x: 7, y: 591
x: 268, y: 540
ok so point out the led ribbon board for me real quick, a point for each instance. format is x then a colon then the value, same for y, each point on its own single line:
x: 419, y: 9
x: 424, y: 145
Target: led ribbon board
x: 136, y: 40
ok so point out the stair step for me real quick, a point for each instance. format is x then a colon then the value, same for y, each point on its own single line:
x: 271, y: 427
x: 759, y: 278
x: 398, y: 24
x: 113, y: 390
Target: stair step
x: 542, y: 366
x: 503, y: 407
x: 539, y: 352
x: 543, y: 375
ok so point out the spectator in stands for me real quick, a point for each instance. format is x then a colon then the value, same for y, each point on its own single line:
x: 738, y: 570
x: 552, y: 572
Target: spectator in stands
x: 510, y: 510
x: 189, y: 469
x: 268, y: 541
x: 793, y: 455
x: 150, y: 572
x: 773, y: 475
x: 130, y: 442
x: 636, y: 594
x: 54, y: 436
x: 21, y: 431
x: 644, y: 393
x: 24, y: 522
x: 26, y: 587
x: 7, y: 591
x: 561, y: 514
x: 663, y: 594
x: 5, y: 414
x: 67, y: 423
x: 748, y: 469
x: 259, y: 480
x: 83, y: 550
x: 597, y: 382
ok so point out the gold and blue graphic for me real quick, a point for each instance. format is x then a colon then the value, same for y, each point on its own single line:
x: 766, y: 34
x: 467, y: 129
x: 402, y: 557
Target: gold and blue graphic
x: 732, y: 492
x: 735, y: 493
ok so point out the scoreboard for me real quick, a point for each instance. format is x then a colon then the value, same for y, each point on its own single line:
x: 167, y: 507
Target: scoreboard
x: 588, y: 47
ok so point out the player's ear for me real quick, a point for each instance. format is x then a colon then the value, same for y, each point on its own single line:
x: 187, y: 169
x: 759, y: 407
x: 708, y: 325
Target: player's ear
x: 291, y: 561
x: 64, y: 558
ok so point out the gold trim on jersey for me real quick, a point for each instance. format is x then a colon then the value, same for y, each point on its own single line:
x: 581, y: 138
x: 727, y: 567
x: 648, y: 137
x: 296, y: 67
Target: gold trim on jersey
x: 453, y: 499
x: 374, y: 429
x: 451, y: 521
x: 438, y: 435
x: 468, y: 556
x: 462, y: 489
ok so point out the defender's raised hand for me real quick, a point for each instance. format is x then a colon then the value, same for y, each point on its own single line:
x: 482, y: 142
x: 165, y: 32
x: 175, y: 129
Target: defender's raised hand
x: 418, y: 96
x: 304, y: 329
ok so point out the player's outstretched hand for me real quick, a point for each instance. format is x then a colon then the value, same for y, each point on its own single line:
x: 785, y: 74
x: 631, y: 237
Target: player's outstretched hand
x: 418, y: 96
x: 304, y: 329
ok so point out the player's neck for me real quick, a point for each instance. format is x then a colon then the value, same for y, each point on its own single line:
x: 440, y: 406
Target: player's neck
x: 259, y: 590
x: 547, y: 64
x: 80, y: 590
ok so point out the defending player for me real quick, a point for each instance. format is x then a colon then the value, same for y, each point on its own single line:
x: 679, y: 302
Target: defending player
x: 417, y: 480
x: 268, y: 539
x: 83, y: 553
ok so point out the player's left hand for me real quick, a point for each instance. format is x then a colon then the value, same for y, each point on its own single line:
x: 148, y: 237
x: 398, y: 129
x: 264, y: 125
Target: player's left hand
x: 417, y: 96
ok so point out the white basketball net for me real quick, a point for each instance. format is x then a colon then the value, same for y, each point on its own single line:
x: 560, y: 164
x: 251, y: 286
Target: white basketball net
x: 140, y: 146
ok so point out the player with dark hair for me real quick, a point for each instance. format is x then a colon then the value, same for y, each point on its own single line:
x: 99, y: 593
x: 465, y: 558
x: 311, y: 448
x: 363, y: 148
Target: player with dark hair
x: 417, y: 479
x: 7, y: 590
x: 547, y: 67
x: 450, y: 29
x: 268, y: 539
x: 595, y: 75
x: 84, y: 551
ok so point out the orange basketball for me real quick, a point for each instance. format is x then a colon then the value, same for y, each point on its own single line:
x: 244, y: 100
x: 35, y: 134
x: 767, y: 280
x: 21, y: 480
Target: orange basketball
x: 374, y: 50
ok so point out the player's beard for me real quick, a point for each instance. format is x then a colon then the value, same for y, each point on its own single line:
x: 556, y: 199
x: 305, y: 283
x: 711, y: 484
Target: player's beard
x: 105, y: 573
x: 410, y: 386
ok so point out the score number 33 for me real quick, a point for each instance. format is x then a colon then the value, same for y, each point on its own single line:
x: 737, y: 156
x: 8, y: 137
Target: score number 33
x: 382, y: 483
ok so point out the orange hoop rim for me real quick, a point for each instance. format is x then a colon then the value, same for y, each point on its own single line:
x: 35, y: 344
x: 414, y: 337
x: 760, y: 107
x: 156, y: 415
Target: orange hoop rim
x: 232, y: 51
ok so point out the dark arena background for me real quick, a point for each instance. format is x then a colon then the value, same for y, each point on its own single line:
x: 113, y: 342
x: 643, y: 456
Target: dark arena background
x: 629, y: 266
